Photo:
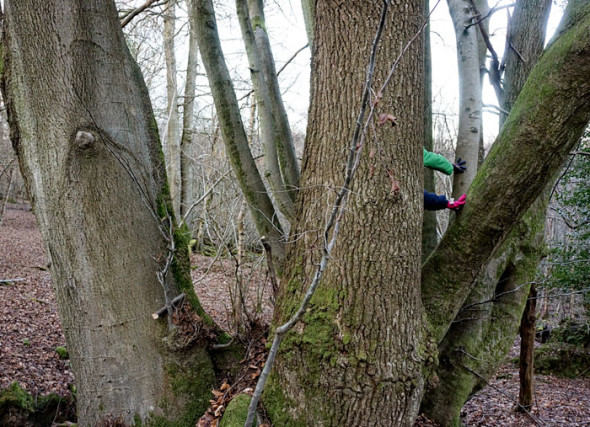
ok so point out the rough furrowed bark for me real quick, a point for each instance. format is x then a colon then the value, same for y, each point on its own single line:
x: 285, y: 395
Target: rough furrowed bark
x: 361, y: 346
x: 88, y: 146
x: 234, y: 135
x: 546, y: 121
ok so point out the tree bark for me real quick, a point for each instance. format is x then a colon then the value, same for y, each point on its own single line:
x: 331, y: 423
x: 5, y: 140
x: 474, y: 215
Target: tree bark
x: 429, y: 237
x: 187, y: 190
x: 361, y: 345
x: 468, y: 135
x: 546, y: 121
x: 88, y: 147
x: 483, y: 333
x: 525, y: 41
x: 234, y: 135
x: 172, y: 127
x: 527, y: 352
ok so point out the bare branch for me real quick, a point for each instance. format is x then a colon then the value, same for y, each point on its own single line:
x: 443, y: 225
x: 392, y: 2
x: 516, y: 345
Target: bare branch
x: 149, y: 3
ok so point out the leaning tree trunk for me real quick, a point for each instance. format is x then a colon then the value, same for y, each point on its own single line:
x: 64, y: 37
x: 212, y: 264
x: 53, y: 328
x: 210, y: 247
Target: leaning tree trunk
x: 479, y: 339
x: 484, y: 329
x: 88, y: 147
x: 545, y: 123
x: 361, y: 344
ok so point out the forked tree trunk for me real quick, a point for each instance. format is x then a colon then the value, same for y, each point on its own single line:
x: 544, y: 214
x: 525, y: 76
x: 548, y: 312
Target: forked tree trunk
x: 88, y: 148
x: 358, y: 356
x: 545, y: 123
x: 484, y: 329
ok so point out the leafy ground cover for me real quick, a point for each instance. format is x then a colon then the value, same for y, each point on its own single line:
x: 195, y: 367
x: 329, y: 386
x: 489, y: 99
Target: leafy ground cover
x: 30, y: 335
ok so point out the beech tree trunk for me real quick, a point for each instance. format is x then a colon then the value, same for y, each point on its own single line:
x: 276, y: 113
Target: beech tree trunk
x: 172, y: 126
x: 361, y: 346
x: 88, y: 147
x: 468, y: 135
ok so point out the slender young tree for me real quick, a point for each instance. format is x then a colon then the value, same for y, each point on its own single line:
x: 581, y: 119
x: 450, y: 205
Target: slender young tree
x: 172, y: 132
x: 470, y: 104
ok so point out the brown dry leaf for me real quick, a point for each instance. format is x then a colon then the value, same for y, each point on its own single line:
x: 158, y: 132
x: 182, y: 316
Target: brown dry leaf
x: 217, y: 393
x: 219, y: 411
x: 224, y: 386
x: 384, y: 118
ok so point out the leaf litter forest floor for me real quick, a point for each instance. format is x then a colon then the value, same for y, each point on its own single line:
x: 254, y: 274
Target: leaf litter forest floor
x: 30, y: 331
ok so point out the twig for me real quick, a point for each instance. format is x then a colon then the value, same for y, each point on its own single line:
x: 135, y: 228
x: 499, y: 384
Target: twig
x: 8, y: 281
x: 175, y: 301
x: 532, y: 417
x: 137, y: 11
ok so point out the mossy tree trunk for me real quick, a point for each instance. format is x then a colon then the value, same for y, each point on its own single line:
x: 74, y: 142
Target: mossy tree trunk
x: 358, y: 356
x: 485, y: 327
x: 88, y: 147
x: 546, y: 121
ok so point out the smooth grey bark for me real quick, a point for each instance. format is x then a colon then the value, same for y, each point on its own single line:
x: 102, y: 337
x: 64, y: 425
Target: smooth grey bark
x: 308, y: 7
x: 88, y: 147
x: 429, y: 237
x: 172, y: 126
x: 283, y: 136
x: 546, y: 121
x: 188, y: 191
x: 525, y: 43
x: 470, y: 104
x: 234, y: 135
x: 267, y: 125
x: 485, y: 327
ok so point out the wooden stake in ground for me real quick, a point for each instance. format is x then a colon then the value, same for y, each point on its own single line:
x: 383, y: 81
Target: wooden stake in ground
x: 527, y: 351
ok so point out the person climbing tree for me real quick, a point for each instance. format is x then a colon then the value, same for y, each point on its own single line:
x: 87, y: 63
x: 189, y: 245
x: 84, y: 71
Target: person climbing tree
x: 432, y: 201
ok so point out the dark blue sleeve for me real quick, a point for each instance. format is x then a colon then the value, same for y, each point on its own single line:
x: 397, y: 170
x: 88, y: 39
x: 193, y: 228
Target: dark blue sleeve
x: 432, y: 202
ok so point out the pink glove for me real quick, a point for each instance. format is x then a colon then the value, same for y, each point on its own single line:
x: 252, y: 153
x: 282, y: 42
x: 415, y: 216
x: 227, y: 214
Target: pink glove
x: 456, y: 205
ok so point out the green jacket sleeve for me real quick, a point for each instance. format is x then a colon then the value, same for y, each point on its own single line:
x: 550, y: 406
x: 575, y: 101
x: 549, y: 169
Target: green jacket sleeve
x: 437, y: 162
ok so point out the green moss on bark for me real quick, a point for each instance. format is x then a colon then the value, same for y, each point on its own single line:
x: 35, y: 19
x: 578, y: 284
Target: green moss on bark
x: 191, y: 378
x: 237, y: 411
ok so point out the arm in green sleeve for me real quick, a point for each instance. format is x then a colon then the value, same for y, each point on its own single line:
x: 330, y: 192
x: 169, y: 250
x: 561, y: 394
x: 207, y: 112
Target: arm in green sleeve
x: 437, y: 162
